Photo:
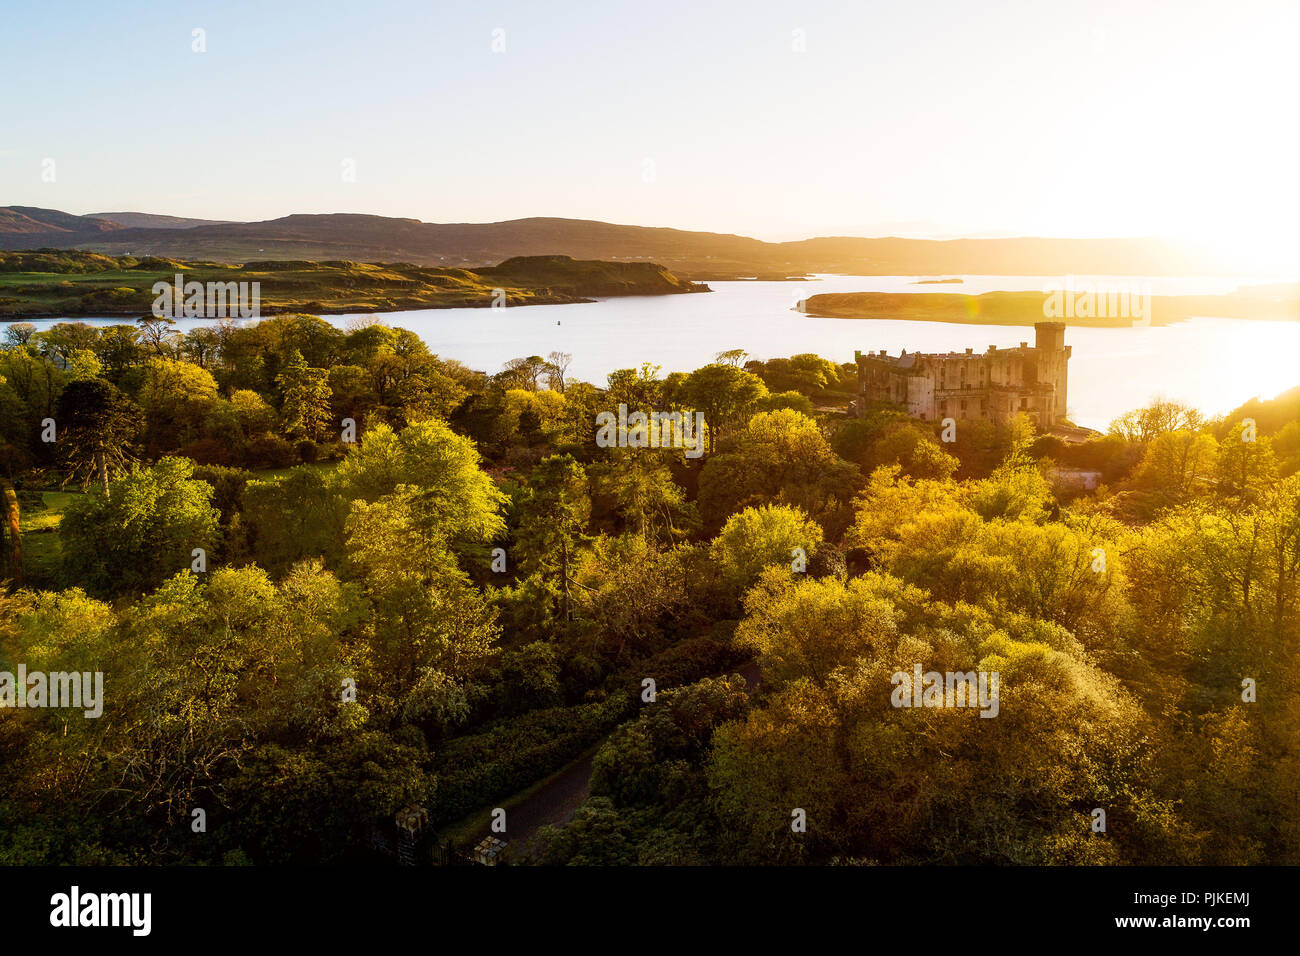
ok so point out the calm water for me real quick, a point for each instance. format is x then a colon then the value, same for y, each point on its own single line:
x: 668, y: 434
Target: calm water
x: 1214, y: 364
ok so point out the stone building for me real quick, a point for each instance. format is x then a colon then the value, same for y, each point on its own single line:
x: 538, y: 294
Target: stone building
x: 995, y: 385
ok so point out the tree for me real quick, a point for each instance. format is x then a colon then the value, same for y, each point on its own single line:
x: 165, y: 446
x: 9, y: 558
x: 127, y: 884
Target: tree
x: 524, y: 372
x: 176, y: 396
x: 157, y: 332
x: 913, y: 448
x: 305, y: 406
x: 793, y: 400
x: 200, y: 345
x: 553, y: 512
x: 1176, y: 467
x: 557, y: 367
x: 11, y: 530
x: 18, y: 334
x: 429, y: 463
x: 1246, y: 467
x: 896, y: 783
x: 430, y: 631
x: 638, y: 388
x: 653, y: 505
x: 300, y: 515
x: 1143, y: 424
x: 530, y: 415
x: 805, y: 373
x: 118, y: 348
x: 95, y: 427
x: 143, y: 528
x: 254, y: 415
x: 779, y: 457
x: 758, y: 538
x: 60, y: 340
x: 726, y: 394
x: 734, y: 357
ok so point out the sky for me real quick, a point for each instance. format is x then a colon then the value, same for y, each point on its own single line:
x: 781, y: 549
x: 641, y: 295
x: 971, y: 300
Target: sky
x: 779, y: 120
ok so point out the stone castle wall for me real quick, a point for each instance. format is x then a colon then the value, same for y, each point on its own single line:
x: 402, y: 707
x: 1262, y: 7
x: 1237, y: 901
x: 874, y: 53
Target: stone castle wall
x: 995, y: 385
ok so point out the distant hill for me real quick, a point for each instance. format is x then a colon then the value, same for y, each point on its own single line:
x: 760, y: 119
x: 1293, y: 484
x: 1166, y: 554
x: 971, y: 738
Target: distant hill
x: 144, y: 220
x: 694, y: 255
x: 33, y: 222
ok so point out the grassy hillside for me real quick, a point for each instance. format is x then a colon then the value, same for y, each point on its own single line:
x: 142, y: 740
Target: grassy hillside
x: 70, y: 283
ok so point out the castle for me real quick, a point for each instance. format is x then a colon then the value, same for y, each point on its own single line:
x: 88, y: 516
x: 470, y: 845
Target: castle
x: 997, y: 385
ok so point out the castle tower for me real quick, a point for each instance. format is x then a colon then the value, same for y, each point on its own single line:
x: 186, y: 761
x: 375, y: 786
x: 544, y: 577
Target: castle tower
x: 1049, y: 336
x: 1053, y: 357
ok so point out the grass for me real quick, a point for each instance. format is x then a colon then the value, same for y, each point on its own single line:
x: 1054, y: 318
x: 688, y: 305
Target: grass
x: 39, y: 519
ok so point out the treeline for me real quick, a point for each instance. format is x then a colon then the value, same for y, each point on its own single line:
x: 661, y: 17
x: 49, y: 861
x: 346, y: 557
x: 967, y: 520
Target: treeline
x: 447, y: 590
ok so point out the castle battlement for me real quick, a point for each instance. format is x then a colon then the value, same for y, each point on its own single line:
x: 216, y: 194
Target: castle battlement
x: 996, y: 384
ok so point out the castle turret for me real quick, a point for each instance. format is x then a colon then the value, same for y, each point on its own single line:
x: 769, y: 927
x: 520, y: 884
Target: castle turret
x: 1049, y: 336
x: 1053, y: 357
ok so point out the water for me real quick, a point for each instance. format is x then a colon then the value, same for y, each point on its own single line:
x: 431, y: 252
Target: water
x: 1213, y: 364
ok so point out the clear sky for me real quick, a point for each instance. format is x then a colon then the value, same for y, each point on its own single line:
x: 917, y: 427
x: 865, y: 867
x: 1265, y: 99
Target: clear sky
x: 917, y: 117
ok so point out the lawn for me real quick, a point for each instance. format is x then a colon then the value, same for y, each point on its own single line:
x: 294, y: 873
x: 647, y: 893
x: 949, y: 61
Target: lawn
x: 41, y: 513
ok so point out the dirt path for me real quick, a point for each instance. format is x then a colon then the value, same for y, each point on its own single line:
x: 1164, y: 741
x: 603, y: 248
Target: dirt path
x: 554, y: 802
x: 557, y: 800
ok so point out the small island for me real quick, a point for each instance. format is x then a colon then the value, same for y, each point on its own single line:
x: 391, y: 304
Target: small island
x: 1077, y: 308
x: 938, y: 282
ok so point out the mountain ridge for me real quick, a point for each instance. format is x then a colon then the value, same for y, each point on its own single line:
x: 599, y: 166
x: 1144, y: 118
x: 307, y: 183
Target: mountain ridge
x: 693, y: 254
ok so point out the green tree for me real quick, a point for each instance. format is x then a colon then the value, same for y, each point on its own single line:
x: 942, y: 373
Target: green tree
x: 553, y: 513
x: 305, y: 406
x: 726, y: 394
x: 757, y: 538
x: 95, y: 428
x: 140, y: 530
x: 780, y: 457
x: 433, y: 466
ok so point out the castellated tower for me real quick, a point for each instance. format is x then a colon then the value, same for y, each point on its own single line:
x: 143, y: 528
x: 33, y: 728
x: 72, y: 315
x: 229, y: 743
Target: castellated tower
x: 995, y: 385
x: 1053, y: 361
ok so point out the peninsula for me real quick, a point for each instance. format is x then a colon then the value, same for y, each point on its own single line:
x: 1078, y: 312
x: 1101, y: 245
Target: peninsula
x: 52, y: 283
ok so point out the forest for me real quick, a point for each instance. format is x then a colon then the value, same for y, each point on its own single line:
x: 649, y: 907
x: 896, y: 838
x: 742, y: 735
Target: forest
x: 347, y: 595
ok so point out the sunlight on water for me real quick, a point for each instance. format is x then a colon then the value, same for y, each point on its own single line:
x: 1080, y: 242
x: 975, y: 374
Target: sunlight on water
x: 1214, y: 364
